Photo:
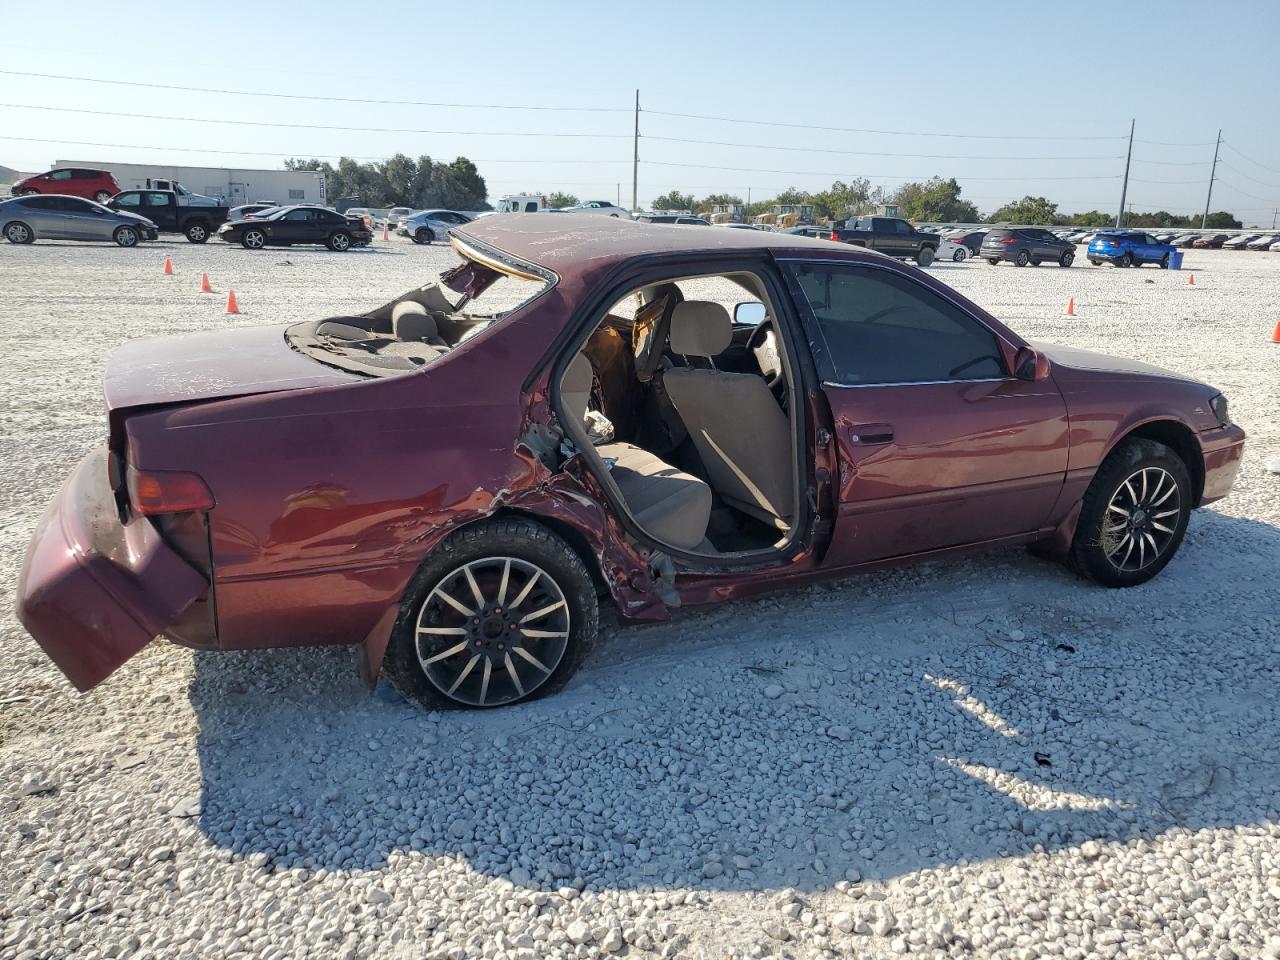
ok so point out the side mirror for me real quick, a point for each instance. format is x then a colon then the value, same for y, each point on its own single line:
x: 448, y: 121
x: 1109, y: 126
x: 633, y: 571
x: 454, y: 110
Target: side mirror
x: 749, y: 314
x: 1030, y: 365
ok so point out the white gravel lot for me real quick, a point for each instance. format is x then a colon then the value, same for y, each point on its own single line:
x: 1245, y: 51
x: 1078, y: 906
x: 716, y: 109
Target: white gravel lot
x: 985, y: 758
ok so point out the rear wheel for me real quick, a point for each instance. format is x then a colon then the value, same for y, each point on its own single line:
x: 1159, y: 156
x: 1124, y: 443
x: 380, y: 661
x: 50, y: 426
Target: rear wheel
x: 1127, y: 260
x: 1164, y: 262
x: 1068, y: 257
x: 126, y: 236
x: 960, y: 255
x: 1022, y: 259
x: 501, y: 612
x: 994, y: 261
x: 925, y: 256
x: 253, y: 239
x: 197, y: 233
x: 1134, y: 515
x: 18, y: 232
x: 423, y: 235
x: 340, y: 241
x: 102, y: 196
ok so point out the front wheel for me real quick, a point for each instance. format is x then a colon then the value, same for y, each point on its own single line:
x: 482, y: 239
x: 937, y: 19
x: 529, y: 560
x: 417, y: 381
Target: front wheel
x: 1127, y: 260
x: 994, y: 261
x: 924, y: 257
x: 501, y: 612
x: 423, y: 235
x: 18, y: 232
x: 197, y: 233
x: 1022, y: 259
x: 127, y: 237
x: 1133, y: 516
x: 253, y: 239
x: 960, y: 255
x: 1164, y: 262
x: 1068, y: 257
x: 340, y: 241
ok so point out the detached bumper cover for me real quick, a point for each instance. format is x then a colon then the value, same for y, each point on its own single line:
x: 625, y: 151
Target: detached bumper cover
x: 94, y: 591
x: 1223, y: 450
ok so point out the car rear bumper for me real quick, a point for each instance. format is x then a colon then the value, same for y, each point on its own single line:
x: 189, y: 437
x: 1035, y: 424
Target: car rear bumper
x: 1223, y: 451
x: 95, y: 590
x: 996, y: 253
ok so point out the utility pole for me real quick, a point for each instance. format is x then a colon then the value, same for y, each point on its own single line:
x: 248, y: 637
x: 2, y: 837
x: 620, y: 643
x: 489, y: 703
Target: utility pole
x: 619, y: 194
x: 1212, y: 170
x: 635, y: 163
x: 1125, y: 188
x: 1274, y: 213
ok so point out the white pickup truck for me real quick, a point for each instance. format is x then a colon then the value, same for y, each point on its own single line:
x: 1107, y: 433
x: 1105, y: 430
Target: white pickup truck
x: 185, y: 197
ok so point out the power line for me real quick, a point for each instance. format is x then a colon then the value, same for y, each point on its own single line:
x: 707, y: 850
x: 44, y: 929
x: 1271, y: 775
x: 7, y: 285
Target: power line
x: 1261, y: 183
x: 1231, y: 186
x: 822, y: 173
x: 890, y: 133
x: 1249, y: 158
x: 306, y: 96
x: 319, y: 126
x: 866, y: 153
x: 281, y: 153
x: 1166, y: 143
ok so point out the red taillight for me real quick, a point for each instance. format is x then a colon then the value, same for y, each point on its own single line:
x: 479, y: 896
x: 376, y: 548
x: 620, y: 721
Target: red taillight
x: 835, y: 236
x: 1009, y: 240
x: 153, y: 492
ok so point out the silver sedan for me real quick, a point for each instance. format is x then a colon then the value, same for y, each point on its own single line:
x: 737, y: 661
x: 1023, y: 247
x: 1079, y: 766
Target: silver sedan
x: 52, y: 217
x: 427, y: 225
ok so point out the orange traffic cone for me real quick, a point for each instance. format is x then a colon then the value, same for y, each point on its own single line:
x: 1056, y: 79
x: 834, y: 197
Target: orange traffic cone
x: 232, y: 306
x: 168, y: 267
x: 1071, y: 307
x: 204, y: 284
x: 1191, y: 280
x: 1275, y: 334
x: 385, y: 234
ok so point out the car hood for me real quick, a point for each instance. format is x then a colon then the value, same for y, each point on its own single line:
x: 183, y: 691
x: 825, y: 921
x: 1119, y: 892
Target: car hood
x: 133, y: 217
x: 210, y: 366
x: 1077, y: 359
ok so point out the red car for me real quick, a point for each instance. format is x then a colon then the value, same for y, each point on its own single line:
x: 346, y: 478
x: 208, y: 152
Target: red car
x: 96, y: 185
x: 454, y: 480
x: 1211, y: 243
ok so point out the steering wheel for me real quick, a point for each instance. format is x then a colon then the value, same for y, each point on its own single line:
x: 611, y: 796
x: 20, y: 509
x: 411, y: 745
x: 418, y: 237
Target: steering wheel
x: 755, y: 341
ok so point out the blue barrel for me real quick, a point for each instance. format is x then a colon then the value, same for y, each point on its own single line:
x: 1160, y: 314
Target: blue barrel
x: 1175, y: 259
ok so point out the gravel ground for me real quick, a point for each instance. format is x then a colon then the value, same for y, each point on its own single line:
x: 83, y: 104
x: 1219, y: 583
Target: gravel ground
x: 982, y: 758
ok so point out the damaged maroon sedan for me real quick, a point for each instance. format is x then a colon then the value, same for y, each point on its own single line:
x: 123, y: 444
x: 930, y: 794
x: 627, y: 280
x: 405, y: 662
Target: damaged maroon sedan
x: 588, y: 409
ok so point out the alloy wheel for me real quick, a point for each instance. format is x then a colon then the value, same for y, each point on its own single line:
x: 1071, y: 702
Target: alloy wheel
x: 492, y: 631
x: 254, y: 240
x: 17, y: 233
x: 1141, y: 519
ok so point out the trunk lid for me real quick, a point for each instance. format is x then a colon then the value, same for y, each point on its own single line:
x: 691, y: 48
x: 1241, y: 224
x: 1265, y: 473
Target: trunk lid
x: 211, y: 366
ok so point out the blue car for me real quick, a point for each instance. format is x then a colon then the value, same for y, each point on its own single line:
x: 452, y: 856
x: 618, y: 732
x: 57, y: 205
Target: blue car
x: 1129, y: 248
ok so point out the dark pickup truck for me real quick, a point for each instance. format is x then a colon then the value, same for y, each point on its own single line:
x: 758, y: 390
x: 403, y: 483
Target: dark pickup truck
x: 890, y: 236
x: 161, y: 207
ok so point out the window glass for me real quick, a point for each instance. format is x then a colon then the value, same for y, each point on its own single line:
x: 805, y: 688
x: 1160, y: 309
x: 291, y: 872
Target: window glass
x: 158, y: 199
x: 531, y: 207
x: 129, y: 200
x: 881, y: 327
x: 300, y: 215
x: 42, y: 203
x: 74, y: 205
x: 902, y: 226
x: 60, y: 175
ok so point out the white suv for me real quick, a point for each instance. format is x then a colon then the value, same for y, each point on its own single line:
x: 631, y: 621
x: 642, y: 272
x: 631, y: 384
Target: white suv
x: 600, y: 206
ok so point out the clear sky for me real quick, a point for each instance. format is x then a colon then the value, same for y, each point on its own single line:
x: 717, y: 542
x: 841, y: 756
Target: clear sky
x: 1002, y: 72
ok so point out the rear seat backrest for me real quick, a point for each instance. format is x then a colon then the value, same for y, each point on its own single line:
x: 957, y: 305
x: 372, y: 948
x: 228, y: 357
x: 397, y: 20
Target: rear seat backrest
x: 411, y: 322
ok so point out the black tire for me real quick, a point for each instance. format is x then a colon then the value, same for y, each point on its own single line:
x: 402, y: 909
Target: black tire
x: 994, y: 261
x: 1164, y: 262
x: 1096, y: 263
x: 1135, y: 456
x: 924, y: 256
x: 197, y: 232
x: 1127, y: 260
x: 253, y: 239
x: 1022, y: 259
x: 520, y: 540
x: 19, y: 232
x: 101, y: 196
x: 339, y: 241
x: 126, y: 236
x: 1036, y: 261
x: 960, y: 255
x: 1067, y: 259
x: 423, y: 235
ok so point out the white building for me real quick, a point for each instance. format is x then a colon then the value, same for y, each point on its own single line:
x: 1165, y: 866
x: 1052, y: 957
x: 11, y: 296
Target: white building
x: 231, y: 185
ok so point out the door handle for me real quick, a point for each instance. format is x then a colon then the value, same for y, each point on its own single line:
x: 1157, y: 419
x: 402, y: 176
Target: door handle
x: 868, y: 434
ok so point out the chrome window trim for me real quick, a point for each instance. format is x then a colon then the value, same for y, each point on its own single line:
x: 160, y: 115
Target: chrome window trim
x: 913, y: 383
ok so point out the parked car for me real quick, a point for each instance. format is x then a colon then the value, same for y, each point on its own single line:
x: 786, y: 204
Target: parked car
x: 521, y: 203
x: 1165, y: 237
x: 1129, y: 248
x: 287, y: 468
x: 1275, y: 247
x: 428, y: 225
x: 740, y: 226
x: 971, y: 239
x: 162, y: 208
x: 34, y: 217
x: 363, y: 214
x: 1212, y: 242
x: 888, y: 235
x: 949, y: 249
x: 246, y: 210
x: 301, y: 225
x: 391, y: 219
x: 1238, y: 242
x: 1185, y: 240
x: 97, y: 185
x: 1026, y: 245
x: 809, y: 230
x: 681, y: 219
x: 1262, y: 242
x: 603, y: 207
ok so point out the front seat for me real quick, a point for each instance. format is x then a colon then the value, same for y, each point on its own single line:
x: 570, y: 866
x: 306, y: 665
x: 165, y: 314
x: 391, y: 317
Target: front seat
x: 740, y: 432
x: 671, y: 505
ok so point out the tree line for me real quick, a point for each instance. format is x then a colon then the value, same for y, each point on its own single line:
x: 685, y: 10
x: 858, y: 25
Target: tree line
x: 402, y: 182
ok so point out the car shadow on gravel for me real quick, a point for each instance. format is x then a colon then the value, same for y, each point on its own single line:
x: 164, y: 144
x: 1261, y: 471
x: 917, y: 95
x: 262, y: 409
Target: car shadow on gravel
x: 883, y: 724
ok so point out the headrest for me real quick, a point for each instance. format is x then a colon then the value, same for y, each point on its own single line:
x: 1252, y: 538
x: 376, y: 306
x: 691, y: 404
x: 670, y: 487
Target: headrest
x: 410, y: 321
x: 575, y: 387
x: 700, y: 328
